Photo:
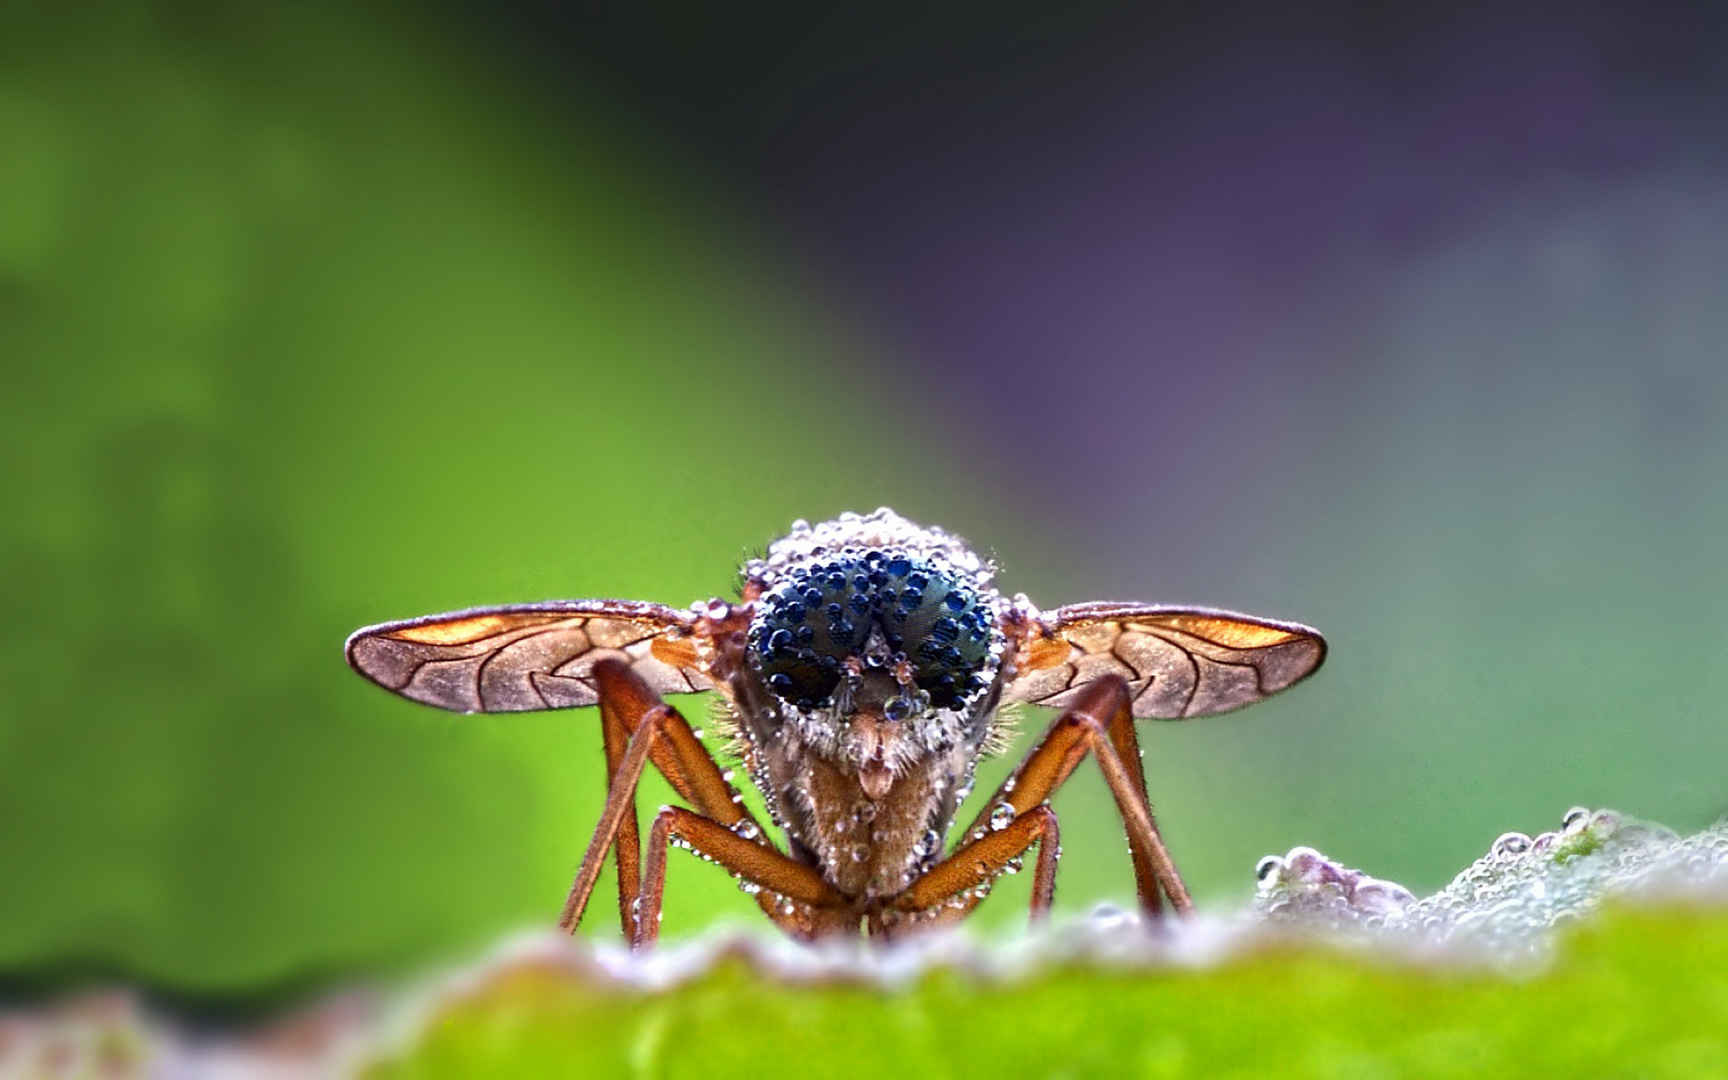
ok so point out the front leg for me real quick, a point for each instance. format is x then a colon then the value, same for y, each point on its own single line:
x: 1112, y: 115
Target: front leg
x: 1101, y: 723
x: 746, y: 859
x: 978, y: 863
x: 639, y: 728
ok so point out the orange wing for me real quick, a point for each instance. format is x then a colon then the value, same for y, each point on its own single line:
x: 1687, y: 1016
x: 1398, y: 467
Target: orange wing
x: 1179, y: 662
x: 527, y: 656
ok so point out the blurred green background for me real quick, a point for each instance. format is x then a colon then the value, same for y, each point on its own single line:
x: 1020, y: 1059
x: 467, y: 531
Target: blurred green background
x: 315, y: 317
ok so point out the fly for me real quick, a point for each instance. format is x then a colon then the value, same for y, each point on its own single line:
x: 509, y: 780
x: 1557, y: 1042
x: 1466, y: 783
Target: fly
x: 863, y: 669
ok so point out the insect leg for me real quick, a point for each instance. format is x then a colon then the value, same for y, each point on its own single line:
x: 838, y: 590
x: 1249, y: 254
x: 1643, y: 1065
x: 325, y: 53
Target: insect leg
x: 616, y: 729
x: 638, y: 727
x: 625, y: 701
x: 982, y: 859
x: 1101, y: 722
x: 745, y: 858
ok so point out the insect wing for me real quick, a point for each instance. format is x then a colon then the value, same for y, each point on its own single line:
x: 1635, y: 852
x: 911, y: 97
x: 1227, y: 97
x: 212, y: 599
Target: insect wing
x: 527, y: 656
x: 1179, y: 662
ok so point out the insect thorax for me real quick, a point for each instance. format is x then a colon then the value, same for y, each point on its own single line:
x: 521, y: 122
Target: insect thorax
x: 873, y: 665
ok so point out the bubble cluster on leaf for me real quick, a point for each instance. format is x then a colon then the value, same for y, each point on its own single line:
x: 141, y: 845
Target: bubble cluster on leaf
x: 1507, y: 900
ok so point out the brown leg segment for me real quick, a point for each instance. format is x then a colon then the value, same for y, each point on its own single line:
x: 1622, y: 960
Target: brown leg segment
x: 746, y: 859
x: 616, y: 730
x: 1101, y: 721
x: 1125, y: 740
x: 638, y: 728
x: 981, y: 860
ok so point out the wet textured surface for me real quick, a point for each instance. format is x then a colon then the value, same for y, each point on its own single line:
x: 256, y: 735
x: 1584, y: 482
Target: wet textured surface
x: 1500, y: 913
x: 1505, y: 904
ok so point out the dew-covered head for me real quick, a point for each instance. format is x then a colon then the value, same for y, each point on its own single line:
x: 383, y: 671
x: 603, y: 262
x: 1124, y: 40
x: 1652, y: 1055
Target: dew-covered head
x: 874, y: 617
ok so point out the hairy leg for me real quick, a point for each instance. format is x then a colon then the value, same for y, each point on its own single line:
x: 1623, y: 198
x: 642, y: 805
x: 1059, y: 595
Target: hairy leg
x: 638, y: 728
x: 747, y: 860
x: 927, y: 900
x: 1100, y: 723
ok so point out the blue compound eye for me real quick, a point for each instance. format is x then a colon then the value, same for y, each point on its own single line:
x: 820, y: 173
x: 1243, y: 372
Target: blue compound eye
x: 931, y: 622
x: 804, y: 629
x: 818, y: 616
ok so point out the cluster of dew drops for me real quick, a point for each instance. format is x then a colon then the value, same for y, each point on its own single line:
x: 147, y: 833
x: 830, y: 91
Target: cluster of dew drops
x: 1508, y: 899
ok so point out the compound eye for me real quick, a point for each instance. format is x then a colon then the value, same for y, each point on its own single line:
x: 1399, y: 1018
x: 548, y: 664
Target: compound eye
x: 818, y: 616
x: 944, y: 630
x: 805, y: 629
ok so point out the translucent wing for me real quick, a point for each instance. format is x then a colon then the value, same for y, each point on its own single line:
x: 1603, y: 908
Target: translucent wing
x: 527, y: 656
x: 1179, y: 662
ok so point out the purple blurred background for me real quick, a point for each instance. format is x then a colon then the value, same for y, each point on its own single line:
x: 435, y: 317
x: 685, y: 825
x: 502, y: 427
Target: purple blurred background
x: 1405, y: 323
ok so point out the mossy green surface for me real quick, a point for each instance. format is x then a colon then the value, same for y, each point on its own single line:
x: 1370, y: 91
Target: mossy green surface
x: 1635, y: 994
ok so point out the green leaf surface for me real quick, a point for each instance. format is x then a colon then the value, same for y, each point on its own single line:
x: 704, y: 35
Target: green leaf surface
x: 1635, y: 994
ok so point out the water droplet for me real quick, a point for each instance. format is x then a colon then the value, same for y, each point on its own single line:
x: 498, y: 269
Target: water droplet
x: 747, y: 829
x: 1509, y: 844
x: 860, y: 853
x: 1001, y: 816
x: 697, y: 732
x: 1305, y: 864
x: 726, y: 776
x: 929, y: 844
x: 748, y: 887
x: 1575, y: 819
x: 1014, y: 865
x: 1008, y: 785
x: 1266, y: 871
